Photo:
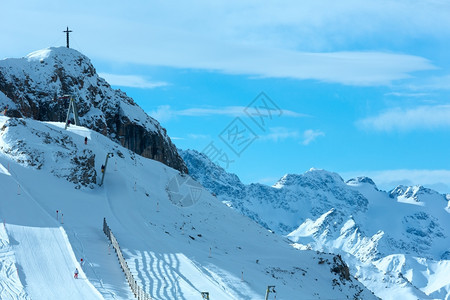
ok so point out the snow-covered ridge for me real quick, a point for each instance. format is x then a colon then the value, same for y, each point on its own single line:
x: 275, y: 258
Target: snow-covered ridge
x: 387, y: 237
x: 27, y: 142
x: 32, y: 87
x: 39, y: 55
x: 314, y: 178
x: 362, y: 180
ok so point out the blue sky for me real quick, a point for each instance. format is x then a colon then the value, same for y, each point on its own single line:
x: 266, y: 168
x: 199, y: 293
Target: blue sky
x: 355, y: 87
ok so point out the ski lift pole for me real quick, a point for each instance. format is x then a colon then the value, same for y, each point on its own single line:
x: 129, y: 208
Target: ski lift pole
x: 68, y: 110
x: 75, y: 112
x: 104, y: 166
x: 73, y: 108
x: 270, y: 289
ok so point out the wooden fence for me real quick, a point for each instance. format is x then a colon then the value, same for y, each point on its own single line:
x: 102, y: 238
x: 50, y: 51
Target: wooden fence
x: 137, y: 290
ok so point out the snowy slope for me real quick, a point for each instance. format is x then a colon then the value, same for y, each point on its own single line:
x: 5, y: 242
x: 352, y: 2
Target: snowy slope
x: 34, y: 233
x: 10, y: 285
x: 397, y: 243
x: 177, y: 238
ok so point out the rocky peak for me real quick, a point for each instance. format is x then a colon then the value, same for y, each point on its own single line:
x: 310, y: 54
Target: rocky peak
x: 411, y: 192
x: 361, y: 180
x: 212, y: 176
x: 314, y: 178
x: 31, y: 87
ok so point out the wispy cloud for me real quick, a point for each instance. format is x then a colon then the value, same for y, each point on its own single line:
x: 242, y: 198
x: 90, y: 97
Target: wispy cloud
x: 398, y: 119
x: 294, y: 40
x: 196, y: 136
x: 310, y: 135
x: 432, y: 83
x: 280, y: 133
x: 349, y: 68
x: 165, y: 112
x: 389, y: 179
x: 131, y: 81
x: 407, y: 95
x: 298, y: 40
x: 191, y: 136
x: 162, y: 113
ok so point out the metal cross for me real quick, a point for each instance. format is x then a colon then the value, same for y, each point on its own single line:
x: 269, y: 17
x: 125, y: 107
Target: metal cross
x: 67, y: 36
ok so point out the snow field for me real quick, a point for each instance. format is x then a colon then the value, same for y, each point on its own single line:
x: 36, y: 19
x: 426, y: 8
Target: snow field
x: 41, y: 249
x: 174, y: 252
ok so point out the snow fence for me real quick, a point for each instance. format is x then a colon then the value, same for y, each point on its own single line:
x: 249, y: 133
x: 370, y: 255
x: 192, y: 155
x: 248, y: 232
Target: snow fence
x: 137, y: 290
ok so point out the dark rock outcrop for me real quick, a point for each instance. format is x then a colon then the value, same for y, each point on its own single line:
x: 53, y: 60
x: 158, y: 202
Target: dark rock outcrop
x: 340, y: 267
x: 83, y: 172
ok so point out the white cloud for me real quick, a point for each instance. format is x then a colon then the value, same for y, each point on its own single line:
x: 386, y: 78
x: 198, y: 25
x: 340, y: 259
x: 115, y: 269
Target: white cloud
x: 310, y: 135
x: 191, y: 136
x: 231, y: 111
x: 350, y: 68
x: 407, y: 95
x: 294, y: 40
x: 397, y: 119
x: 197, y: 136
x: 280, y: 133
x: 269, y: 40
x: 432, y: 83
x: 389, y: 179
x: 162, y: 113
x: 131, y: 81
x: 165, y: 112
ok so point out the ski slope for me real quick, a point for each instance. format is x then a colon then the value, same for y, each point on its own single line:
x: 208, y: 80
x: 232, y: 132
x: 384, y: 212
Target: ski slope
x: 177, y: 239
x: 48, y: 274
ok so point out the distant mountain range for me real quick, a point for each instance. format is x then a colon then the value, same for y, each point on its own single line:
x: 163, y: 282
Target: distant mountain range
x: 396, y: 242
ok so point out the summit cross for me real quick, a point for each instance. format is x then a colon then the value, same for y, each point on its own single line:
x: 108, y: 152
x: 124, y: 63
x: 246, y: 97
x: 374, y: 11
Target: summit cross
x: 67, y: 36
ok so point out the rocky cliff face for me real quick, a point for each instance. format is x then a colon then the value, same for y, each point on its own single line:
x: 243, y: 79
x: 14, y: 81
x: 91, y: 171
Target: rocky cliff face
x: 31, y: 87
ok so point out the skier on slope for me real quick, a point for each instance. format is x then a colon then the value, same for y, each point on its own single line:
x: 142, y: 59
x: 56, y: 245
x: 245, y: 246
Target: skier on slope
x: 75, y: 275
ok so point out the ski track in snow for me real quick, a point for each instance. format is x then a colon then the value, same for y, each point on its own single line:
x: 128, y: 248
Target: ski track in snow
x: 10, y: 285
x: 161, y: 279
x: 48, y: 272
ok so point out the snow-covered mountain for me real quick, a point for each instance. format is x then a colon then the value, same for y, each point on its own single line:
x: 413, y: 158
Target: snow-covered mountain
x: 397, y: 243
x: 177, y: 238
x: 32, y: 86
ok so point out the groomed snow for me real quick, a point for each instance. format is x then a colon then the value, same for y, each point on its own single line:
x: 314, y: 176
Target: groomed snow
x: 44, y: 259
